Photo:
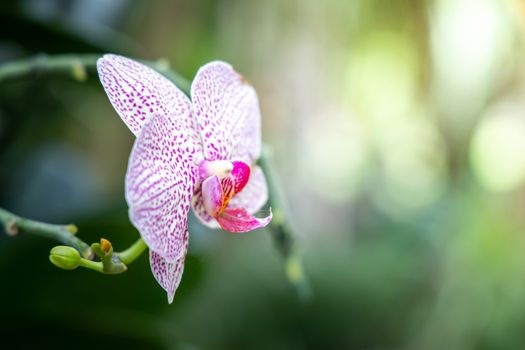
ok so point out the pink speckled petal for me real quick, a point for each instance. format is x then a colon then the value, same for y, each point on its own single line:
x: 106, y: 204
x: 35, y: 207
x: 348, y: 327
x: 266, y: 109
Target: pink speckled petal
x: 227, y: 112
x: 255, y: 193
x: 212, y: 196
x: 160, y: 182
x: 238, y: 220
x: 168, y: 274
x: 137, y: 92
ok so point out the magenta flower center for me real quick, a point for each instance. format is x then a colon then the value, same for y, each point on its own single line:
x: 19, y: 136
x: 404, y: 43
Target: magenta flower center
x: 221, y: 181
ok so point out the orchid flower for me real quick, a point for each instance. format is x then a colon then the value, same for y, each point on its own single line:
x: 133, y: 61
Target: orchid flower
x: 200, y: 154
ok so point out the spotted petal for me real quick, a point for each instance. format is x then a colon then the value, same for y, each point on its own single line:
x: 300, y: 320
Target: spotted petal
x: 168, y: 274
x: 160, y: 182
x: 137, y: 92
x: 227, y: 112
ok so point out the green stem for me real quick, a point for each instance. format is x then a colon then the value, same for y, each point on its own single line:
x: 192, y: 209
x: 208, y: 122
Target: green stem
x: 92, y: 265
x: 72, y: 66
x: 77, y: 67
x: 132, y: 253
x: 15, y: 224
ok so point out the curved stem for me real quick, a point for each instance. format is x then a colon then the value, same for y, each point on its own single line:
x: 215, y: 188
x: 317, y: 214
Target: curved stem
x: 72, y: 66
x: 132, y: 253
x: 77, y: 67
x: 92, y: 265
x: 15, y: 224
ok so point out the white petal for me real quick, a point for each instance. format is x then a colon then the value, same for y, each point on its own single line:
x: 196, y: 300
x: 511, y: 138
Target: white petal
x: 160, y: 183
x: 227, y: 111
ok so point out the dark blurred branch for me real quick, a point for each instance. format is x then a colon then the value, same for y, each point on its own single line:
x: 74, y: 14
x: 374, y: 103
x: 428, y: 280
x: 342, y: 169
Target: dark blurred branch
x: 79, y: 67
x: 282, y: 228
x: 70, y: 66
x: 65, y: 234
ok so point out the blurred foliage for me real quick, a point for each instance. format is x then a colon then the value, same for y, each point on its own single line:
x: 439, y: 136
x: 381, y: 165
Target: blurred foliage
x: 399, y: 131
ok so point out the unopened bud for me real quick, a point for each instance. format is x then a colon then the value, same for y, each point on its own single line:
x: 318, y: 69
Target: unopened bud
x: 65, y: 257
x: 106, y: 246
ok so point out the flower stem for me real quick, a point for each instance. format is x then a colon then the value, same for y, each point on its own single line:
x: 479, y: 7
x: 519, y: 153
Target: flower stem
x: 92, y: 265
x: 77, y: 67
x: 72, y: 66
x: 133, y: 252
x: 64, y: 234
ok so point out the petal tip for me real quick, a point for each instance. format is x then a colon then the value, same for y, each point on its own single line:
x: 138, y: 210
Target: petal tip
x: 106, y: 58
x: 171, y: 296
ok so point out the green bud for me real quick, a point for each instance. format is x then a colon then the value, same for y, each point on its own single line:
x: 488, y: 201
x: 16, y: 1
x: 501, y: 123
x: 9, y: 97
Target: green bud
x: 65, y: 257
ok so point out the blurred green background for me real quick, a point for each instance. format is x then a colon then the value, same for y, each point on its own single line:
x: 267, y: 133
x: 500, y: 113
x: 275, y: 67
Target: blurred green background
x: 399, y: 133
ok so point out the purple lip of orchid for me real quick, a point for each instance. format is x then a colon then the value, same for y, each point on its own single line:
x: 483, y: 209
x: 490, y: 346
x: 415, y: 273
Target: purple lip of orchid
x: 199, y: 154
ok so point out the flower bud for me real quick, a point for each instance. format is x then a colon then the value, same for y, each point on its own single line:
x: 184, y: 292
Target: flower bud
x: 106, y: 246
x: 65, y: 257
